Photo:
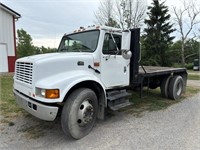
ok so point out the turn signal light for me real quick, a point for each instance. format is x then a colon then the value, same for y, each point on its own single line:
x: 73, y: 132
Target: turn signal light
x: 52, y: 93
x: 96, y: 64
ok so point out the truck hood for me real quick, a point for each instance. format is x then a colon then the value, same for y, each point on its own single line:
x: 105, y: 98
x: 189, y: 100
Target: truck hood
x: 47, y: 65
x: 43, y: 57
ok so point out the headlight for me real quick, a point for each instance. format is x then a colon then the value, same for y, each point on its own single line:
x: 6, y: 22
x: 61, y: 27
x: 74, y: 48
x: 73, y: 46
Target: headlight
x: 48, y: 93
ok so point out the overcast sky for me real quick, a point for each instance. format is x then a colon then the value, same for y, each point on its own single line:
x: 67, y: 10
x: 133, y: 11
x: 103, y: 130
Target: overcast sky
x: 47, y: 20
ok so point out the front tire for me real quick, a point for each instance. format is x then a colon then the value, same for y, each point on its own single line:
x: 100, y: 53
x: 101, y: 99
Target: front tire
x: 79, y: 113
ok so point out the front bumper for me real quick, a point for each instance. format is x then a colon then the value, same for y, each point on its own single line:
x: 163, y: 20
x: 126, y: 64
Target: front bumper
x: 38, y: 110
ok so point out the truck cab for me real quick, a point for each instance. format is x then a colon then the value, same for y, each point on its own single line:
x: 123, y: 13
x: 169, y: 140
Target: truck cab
x: 91, y: 71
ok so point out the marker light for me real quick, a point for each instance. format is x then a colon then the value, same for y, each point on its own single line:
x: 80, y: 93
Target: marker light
x: 52, y: 93
x: 48, y: 93
x: 96, y: 64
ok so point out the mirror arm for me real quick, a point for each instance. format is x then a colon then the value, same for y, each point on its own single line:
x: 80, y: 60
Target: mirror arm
x: 115, y: 45
x: 114, y: 42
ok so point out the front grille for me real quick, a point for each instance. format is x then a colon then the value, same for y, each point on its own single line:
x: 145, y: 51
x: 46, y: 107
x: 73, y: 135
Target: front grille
x: 24, y: 72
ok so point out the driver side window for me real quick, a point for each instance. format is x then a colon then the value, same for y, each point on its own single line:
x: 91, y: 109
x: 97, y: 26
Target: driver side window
x: 109, y: 47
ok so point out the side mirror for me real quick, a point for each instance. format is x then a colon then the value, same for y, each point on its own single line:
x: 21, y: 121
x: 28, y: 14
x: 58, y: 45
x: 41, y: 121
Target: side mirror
x: 125, y: 46
x: 126, y: 54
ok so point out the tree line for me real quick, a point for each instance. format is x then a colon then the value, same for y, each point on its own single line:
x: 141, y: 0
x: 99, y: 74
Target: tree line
x: 158, y: 46
x: 25, y: 45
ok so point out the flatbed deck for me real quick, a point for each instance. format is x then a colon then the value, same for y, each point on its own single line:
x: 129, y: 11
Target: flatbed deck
x: 154, y: 70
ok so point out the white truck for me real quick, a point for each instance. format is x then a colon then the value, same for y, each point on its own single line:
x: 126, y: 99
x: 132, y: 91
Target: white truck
x: 92, y: 71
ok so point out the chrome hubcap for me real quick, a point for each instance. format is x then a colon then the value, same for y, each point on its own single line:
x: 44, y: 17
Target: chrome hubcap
x: 85, y: 113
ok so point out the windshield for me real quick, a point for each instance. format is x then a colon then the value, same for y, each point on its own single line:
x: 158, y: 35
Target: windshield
x: 80, y: 42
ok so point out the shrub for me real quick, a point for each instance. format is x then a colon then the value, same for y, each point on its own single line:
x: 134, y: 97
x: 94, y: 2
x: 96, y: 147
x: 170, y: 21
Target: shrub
x: 189, y: 66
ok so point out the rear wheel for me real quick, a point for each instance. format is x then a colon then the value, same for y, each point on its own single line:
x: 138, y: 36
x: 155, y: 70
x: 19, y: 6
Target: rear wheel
x: 164, y: 86
x: 79, y: 113
x: 175, y: 88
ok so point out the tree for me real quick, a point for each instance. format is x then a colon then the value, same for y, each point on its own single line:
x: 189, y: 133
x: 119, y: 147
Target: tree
x: 24, y: 44
x: 43, y: 50
x: 130, y: 13
x: 186, y: 18
x: 191, y: 51
x: 157, y: 34
x: 105, y: 14
x: 121, y: 13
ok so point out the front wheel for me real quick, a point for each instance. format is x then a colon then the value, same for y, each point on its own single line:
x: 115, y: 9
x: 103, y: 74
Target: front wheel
x: 79, y: 113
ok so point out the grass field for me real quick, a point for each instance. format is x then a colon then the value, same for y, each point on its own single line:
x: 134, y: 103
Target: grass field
x: 151, y: 100
x: 8, y: 105
x: 193, y: 75
x: 194, y: 72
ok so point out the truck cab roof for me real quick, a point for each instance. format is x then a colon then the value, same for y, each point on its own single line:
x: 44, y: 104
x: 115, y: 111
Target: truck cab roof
x: 89, y: 28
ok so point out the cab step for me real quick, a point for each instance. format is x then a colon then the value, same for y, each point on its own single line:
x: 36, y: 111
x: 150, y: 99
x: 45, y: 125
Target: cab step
x: 118, y: 99
x: 119, y: 106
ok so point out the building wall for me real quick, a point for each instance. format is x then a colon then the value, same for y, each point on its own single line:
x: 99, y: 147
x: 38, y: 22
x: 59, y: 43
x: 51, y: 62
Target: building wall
x: 7, y: 37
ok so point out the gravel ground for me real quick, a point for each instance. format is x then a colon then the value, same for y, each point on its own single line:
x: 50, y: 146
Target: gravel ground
x: 194, y: 83
x: 177, y: 127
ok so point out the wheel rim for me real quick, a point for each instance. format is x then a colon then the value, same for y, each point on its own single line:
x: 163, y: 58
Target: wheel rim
x: 85, y: 113
x: 179, y: 88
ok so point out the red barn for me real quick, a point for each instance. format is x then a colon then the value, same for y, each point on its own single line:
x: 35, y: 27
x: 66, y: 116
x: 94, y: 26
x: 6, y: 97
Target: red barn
x: 7, y: 38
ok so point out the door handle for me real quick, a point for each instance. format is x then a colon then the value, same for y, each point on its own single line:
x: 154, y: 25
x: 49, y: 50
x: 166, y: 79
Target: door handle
x: 106, y: 57
x: 124, y: 68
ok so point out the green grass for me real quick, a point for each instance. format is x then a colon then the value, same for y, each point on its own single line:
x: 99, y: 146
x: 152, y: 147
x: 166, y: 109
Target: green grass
x: 8, y: 106
x: 153, y: 101
x: 193, y: 77
x: 192, y: 71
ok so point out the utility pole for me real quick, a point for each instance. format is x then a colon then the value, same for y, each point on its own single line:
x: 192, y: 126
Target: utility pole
x: 199, y: 49
x: 199, y: 52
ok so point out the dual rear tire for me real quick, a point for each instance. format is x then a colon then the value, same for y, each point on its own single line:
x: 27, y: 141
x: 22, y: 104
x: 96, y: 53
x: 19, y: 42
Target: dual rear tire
x: 172, y: 87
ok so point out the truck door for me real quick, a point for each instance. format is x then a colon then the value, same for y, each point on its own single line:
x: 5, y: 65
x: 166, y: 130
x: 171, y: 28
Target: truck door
x: 114, y: 68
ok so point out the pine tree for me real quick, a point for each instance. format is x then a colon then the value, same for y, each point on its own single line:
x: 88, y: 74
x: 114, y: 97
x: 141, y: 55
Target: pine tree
x: 157, y: 34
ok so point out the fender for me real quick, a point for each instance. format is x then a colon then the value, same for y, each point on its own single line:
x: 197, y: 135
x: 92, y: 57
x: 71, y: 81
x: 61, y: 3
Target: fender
x: 65, y: 81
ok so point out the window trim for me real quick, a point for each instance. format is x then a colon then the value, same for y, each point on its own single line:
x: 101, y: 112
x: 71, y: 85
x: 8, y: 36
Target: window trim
x: 113, y: 41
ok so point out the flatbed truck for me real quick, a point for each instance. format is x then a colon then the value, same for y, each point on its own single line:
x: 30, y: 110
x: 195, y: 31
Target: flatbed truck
x: 92, y: 71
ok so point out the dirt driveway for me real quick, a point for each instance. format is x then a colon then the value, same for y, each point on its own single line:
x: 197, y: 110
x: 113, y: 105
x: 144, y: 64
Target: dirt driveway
x: 177, y: 127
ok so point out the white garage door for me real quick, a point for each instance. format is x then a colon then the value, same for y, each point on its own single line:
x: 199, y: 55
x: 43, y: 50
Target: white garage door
x: 3, y: 58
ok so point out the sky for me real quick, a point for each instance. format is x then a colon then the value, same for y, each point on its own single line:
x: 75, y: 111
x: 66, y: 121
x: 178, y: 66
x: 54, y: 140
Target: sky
x: 47, y: 20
